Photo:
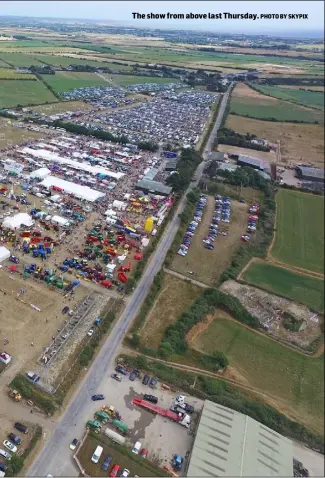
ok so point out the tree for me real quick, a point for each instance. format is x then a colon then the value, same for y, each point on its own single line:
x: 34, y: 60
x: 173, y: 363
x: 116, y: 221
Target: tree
x: 135, y: 341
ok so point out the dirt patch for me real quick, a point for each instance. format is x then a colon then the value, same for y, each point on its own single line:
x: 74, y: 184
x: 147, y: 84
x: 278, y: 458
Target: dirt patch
x: 241, y: 90
x: 174, y: 298
x: 294, y: 147
x: 269, y: 309
x: 199, y: 328
x: 270, y: 157
x: 209, y: 265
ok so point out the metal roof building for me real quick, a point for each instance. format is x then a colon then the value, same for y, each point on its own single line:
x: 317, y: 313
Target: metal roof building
x: 151, y: 174
x: 154, y: 187
x: 217, y: 156
x: 228, y: 443
x: 310, y: 174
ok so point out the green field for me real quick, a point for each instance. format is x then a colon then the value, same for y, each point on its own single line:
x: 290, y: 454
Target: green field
x: 20, y: 92
x: 66, y: 61
x: 298, y: 287
x: 9, y: 73
x: 266, y: 109
x: 19, y: 59
x: 124, y: 80
x: 299, y: 238
x: 68, y: 80
x: 287, y: 376
x: 314, y: 99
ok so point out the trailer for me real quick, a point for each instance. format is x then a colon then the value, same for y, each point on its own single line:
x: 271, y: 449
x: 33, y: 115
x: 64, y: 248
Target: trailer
x: 181, y: 418
x: 114, y: 436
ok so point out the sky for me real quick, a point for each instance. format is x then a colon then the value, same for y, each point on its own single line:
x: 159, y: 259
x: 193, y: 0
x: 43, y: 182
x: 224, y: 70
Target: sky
x: 122, y: 12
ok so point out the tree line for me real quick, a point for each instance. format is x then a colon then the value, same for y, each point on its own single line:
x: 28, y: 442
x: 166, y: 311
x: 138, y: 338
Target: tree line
x: 229, y: 136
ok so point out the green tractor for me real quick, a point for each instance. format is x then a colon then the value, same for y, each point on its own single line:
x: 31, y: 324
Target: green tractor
x: 94, y: 425
x: 102, y: 417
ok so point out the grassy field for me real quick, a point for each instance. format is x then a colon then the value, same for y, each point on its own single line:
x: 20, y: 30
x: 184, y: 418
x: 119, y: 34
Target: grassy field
x: 175, y: 296
x: 74, y: 59
x: 13, y: 93
x: 62, y: 107
x: 278, y: 110
x: 292, y: 137
x: 7, y: 73
x: 298, y: 287
x: 314, y: 99
x: 295, y: 382
x: 19, y: 59
x: 10, y: 135
x: 134, y: 80
x: 68, y: 80
x: 299, y: 238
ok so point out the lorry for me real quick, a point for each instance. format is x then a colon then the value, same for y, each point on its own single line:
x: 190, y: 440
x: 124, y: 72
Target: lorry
x: 122, y: 426
x: 115, y: 437
x: 102, y: 417
x: 94, y: 425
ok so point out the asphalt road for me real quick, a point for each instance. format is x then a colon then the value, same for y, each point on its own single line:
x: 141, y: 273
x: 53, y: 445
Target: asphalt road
x: 55, y: 458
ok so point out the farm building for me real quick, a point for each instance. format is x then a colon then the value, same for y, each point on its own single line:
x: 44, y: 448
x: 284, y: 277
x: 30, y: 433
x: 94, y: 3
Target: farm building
x: 153, y: 187
x: 255, y: 163
x: 229, y: 443
x: 171, y: 165
x: 310, y: 174
x: 217, y: 156
x: 227, y: 167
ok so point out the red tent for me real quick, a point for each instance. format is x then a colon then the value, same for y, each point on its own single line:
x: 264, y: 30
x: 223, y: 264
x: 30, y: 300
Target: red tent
x: 13, y: 268
x: 138, y: 256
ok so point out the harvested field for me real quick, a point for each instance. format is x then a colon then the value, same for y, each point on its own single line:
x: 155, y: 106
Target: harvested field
x: 209, y: 265
x: 286, y: 283
x: 20, y: 92
x: 62, y: 107
x: 24, y: 325
x: 242, y: 90
x: 134, y: 80
x: 174, y: 298
x: 10, y: 135
x: 8, y: 74
x: 68, y: 80
x: 293, y: 381
x: 226, y: 148
x: 294, y: 147
x: 299, y: 238
x: 302, y: 87
x: 269, y: 310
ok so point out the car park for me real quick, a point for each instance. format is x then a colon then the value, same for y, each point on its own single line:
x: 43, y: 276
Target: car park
x: 133, y: 375
x: 153, y: 382
x: 14, y: 438
x: 5, y: 455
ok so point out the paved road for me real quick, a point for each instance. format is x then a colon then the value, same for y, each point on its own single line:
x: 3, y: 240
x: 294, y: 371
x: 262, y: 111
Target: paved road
x: 56, y: 458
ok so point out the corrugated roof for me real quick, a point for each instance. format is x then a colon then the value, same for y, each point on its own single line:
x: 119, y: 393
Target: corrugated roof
x: 217, y: 156
x: 154, y: 186
x: 311, y: 172
x: 228, y: 443
x: 151, y: 174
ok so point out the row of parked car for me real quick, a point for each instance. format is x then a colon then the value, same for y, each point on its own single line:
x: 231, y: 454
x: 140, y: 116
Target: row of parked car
x: 251, y: 222
x: 221, y: 214
x: 152, y: 382
x: 190, y: 231
x: 11, y: 444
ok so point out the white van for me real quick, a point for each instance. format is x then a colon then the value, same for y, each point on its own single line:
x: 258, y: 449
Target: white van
x: 136, y: 448
x: 97, y: 454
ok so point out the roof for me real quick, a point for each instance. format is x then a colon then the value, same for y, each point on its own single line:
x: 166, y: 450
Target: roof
x: 151, y: 174
x: 227, y: 167
x: 311, y: 172
x: 229, y: 443
x: 77, y: 190
x: 217, y: 156
x: 16, y: 221
x: 154, y: 186
x: 258, y: 163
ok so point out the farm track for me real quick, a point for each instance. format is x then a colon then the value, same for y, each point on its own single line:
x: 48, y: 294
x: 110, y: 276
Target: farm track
x: 187, y: 279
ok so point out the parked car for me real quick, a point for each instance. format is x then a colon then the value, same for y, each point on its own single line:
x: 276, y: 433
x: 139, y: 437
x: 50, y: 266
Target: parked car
x: 10, y: 446
x: 73, y: 444
x: 116, y: 377
x: 145, y: 380
x: 90, y: 332
x: 134, y: 374
x: 107, y: 462
x: 153, y: 382
x: 3, y: 467
x: 144, y: 453
x: 65, y: 309
x: 97, y: 397
x: 114, y: 471
x: 14, y: 438
x: 189, y: 408
x: 20, y: 427
x: 150, y: 398
x: 125, y: 472
x: 121, y: 370
x: 5, y: 455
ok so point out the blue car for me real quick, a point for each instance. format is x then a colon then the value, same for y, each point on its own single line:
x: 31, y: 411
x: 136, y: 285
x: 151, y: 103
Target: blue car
x: 97, y: 397
x: 107, y: 462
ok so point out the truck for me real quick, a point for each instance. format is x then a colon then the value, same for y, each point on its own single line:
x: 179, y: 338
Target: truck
x: 14, y: 395
x: 122, y: 426
x: 115, y: 437
x: 181, y: 418
x: 94, y: 425
x: 102, y: 416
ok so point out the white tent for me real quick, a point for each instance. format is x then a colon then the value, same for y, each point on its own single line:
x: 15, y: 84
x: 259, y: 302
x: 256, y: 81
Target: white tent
x: 60, y: 221
x: 40, y: 173
x: 77, y: 190
x: 4, y: 253
x: 119, y: 205
x: 15, y: 222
